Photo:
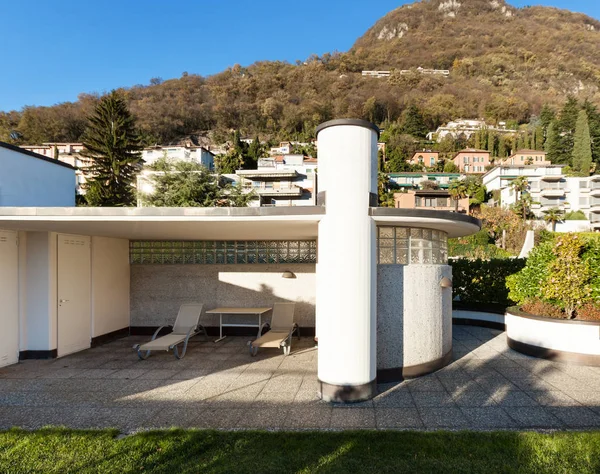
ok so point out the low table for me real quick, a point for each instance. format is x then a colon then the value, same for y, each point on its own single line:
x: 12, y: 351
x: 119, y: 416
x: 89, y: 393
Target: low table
x: 245, y: 311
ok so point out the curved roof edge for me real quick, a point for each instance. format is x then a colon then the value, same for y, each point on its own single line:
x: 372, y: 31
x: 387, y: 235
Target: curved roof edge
x: 348, y: 121
x: 456, y: 225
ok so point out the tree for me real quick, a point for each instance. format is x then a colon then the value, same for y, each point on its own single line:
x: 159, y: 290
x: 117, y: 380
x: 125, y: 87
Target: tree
x: 538, y: 141
x: 112, y: 145
x: 547, y: 116
x: 413, y: 123
x: 491, y: 144
x: 565, y: 126
x: 458, y: 191
x: 582, y: 146
x: 522, y: 199
x: 190, y: 184
x: 450, y: 167
x: 553, y: 216
x: 552, y: 144
x: 254, y: 153
x: 502, y: 151
x: 594, y: 123
x: 229, y: 162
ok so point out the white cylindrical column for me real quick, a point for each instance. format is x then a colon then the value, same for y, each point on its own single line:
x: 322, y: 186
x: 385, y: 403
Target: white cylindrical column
x: 347, y: 268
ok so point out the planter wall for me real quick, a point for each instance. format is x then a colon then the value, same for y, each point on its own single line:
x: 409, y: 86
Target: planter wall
x: 555, y: 339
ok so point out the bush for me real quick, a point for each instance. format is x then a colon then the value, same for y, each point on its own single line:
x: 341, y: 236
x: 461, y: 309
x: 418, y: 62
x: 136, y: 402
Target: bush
x: 483, y: 281
x: 575, y: 216
x: 476, y: 246
x: 541, y: 308
x: 589, y: 312
x: 564, y: 272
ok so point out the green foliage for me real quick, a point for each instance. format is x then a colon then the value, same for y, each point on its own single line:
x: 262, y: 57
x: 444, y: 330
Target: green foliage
x: 553, y: 216
x: 575, y: 216
x: 457, y: 190
x: 582, y: 148
x: 564, y: 271
x: 552, y: 144
x: 112, y: 144
x: 189, y: 184
x: 450, y: 167
x: 528, y: 283
x: 484, y: 281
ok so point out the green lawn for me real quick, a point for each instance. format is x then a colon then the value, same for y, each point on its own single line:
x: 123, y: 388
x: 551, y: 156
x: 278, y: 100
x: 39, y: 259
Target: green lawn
x: 179, y: 451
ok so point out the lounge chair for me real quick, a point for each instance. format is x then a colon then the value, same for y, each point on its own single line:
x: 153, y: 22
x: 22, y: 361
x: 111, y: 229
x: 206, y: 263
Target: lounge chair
x: 186, y: 325
x: 282, y: 328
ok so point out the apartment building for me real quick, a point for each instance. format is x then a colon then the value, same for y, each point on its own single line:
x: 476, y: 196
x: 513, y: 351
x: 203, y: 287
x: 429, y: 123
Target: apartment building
x: 470, y: 160
x: 425, y: 158
x: 467, y: 128
x: 549, y: 188
x: 527, y: 157
x: 435, y: 199
x: 184, y: 152
x: 284, y: 148
x: 287, y: 180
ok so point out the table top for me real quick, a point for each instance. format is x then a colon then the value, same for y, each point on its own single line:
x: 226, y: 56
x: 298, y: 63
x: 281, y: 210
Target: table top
x: 231, y: 310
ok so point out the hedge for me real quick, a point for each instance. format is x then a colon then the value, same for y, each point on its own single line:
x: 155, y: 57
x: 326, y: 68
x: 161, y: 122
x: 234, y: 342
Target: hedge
x: 483, y: 281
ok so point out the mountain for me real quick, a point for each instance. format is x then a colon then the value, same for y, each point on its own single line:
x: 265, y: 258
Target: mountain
x: 504, y: 64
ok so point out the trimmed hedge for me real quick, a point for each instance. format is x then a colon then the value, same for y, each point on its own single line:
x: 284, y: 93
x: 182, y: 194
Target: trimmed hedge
x: 483, y: 281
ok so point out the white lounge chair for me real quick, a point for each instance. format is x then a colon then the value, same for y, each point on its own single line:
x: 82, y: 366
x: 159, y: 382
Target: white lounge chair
x: 186, y: 325
x: 282, y: 328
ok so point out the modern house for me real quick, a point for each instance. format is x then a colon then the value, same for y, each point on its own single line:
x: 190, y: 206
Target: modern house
x: 284, y: 148
x: 466, y: 129
x: 527, y: 157
x: 425, y: 158
x: 372, y: 282
x: 439, y: 199
x: 287, y: 180
x: 472, y: 161
x: 31, y: 179
x: 185, y: 152
x: 69, y: 153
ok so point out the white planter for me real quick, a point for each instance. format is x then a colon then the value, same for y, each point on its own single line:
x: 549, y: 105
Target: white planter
x: 556, y: 339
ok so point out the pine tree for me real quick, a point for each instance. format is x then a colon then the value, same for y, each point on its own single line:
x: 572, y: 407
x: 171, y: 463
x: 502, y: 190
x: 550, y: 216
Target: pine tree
x: 594, y: 122
x: 582, y: 145
x: 413, y: 123
x: 113, y: 147
x: 565, y: 126
x: 547, y: 116
x: 551, y: 145
x: 539, y: 138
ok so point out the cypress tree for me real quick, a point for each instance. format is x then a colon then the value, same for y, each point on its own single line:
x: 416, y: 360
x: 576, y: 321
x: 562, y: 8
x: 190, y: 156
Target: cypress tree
x: 594, y: 123
x: 582, y: 147
x: 113, y: 147
x: 565, y: 126
x: 491, y: 144
x: 539, y: 138
x: 551, y: 145
x: 547, y: 116
x: 502, y: 147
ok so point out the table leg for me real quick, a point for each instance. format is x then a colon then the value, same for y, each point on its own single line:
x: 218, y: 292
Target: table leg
x: 221, y: 337
x: 259, y: 325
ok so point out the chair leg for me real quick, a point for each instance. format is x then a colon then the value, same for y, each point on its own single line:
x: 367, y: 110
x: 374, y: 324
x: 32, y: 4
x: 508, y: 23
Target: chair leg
x: 143, y: 355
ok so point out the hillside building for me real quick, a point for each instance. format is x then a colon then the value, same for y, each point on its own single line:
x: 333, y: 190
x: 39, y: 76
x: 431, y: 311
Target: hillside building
x: 425, y: 158
x: 438, y: 199
x: 527, y: 157
x: 470, y: 161
x: 466, y: 129
x: 187, y: 152
x: 410, y: 180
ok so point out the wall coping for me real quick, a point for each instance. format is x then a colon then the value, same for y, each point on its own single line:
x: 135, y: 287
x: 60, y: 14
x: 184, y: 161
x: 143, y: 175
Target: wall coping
x: 515, y: 311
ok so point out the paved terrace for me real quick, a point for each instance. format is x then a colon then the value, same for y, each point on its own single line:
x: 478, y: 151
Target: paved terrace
x: 488, y: 386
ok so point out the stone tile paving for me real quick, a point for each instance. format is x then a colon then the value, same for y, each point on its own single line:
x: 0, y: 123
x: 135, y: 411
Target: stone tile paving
x: 487, y: 386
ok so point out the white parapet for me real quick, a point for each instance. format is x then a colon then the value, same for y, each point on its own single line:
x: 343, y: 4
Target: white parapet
x: 347, y: 270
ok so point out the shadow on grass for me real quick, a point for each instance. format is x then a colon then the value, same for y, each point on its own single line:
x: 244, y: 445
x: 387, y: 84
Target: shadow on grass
x: 181, y: 451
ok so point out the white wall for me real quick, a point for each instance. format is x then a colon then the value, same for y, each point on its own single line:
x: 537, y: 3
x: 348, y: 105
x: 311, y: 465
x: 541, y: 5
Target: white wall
x: 29, y: 181
x: 110, y: 285
x: 571, y: 226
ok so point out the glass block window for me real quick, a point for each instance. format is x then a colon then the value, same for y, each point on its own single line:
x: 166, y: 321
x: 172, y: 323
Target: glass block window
x: 411, y: 246
x: 210, y: 252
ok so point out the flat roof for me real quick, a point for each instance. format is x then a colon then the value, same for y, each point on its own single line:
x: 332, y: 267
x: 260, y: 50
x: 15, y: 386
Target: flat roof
x: 8, y: 146
x: 214, y: 223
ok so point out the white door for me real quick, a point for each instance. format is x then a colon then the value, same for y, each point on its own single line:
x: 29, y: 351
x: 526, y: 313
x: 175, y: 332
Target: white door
x: 74, y: 294
x: 9, y: 298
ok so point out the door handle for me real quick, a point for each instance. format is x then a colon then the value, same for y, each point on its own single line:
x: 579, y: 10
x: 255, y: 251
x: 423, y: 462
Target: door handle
x: 63, y: 301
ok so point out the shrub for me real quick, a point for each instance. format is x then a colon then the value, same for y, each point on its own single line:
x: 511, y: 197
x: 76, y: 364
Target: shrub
x: 575, y: 216
x: 542, y: 308
x: 589, y: 312
x: 526, y: 284
x: 483, y: 281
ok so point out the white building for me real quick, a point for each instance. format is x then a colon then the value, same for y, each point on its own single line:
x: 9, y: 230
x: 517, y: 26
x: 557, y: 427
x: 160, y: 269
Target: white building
x: 69, y: 153
x: 198, y: 154
x: 75, y: 276
x: 284, y: 148
x: 287, y: 180
x: 549, y: 188
x: 467, y: 128
x: 31, y: 179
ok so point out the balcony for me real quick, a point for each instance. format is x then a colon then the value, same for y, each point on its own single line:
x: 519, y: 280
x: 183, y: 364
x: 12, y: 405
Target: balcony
x: 595, y: 206
x: 552, y: 177
x: 292, y: 191
x: 552, y: 189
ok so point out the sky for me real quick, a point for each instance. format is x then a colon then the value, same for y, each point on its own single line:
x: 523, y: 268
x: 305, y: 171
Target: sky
x: 55, y: 49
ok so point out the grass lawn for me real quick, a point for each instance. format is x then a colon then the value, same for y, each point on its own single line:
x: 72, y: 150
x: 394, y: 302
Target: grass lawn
x: 180, y: 451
